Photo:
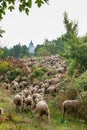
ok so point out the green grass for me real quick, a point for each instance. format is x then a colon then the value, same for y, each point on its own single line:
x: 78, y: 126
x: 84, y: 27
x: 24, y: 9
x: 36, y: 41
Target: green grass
x: 12, y: 120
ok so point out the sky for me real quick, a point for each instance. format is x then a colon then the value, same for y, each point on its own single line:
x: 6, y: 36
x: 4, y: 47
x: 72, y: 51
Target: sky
x: 42, y: 23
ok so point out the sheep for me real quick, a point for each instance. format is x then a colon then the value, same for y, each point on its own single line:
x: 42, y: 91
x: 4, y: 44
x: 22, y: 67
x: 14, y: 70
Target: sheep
x: 42, y: 90
x: 70, y: 106
x: 37, y: 95
x: 42, y: 108
x: 6, y: 85
x: 15, y: 85
x: 1, y: 111
x: 26, y: 92
x: 19, y: 100
x: 29, y: 102
x: 51, y: 90
x: 22, y: 84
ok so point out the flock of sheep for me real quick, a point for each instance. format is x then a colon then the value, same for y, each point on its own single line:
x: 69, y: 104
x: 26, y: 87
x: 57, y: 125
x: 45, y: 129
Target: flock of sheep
x: 31, y: 95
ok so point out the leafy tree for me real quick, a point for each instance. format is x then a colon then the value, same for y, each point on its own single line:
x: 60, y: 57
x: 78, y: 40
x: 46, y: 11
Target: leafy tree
x: 1, y: 32
x: 84, y: 38
x: 70, y: 26
x: 1, y: 52
x: 50, y: 46
x: 42, y: 52
x: 19, y: 51
x: 16, y: 51
x: 6, y: 52
x: 54, y: 46
x: 24, y: 5
x: 60, y: 45
x: 75, y: 49
x: 25, y: 51
x: 37, y: 47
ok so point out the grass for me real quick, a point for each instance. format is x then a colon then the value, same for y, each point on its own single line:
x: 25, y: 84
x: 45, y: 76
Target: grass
x: 12, y: 120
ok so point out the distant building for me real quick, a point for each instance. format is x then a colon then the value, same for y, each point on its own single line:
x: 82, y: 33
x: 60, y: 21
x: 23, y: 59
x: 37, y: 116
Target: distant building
x: 31, y: 48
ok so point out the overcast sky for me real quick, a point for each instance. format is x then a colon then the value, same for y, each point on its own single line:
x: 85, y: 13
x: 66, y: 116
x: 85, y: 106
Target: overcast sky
x: 42, y: 23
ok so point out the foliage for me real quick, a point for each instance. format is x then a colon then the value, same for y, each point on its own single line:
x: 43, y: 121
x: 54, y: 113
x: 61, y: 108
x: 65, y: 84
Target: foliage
x: 6, y: 52
x: 1, y: 52
x: 17, y: 51
x: 37, y: 73
x: 71, y: 27
x: 14, y: 73
x: 74, y: 49
x: 37, y: 47
x: 22, y: 4
x: 1, y: 32
x: 4, y: 67
x: 76, y: 53
x: 84, y: 38
x: 52, y: 47
x: 42, y: 52
x: 44, y: 69
x: 72, y: 66
x: 81, y: 82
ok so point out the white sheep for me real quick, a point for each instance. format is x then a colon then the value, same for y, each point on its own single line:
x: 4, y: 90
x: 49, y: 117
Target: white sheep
x: 1, y: 111
x: 15, y: 85
x: 29, y: 102
x: 37, y: 95
x: 42, y: 108
x: 19, y: 100
x: 26, y: 92
x: 70, y: 106
x: 51, y: 90
x: 6, y: 85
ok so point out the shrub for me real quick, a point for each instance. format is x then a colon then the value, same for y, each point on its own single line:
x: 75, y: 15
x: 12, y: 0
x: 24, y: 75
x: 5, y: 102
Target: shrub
x: 44, y: 69
x: 14, y: 73
x: 37, y: 73
x: 83, y: 106
x: 72, y: 66
x: 81, y: 82
x: 4, y: 67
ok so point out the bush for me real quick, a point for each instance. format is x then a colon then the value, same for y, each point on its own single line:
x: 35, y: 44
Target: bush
x: 44, y: 69
x: 14, y: 73
x: 37, y: 73
x: 81, y: 82
x: 72, y: 67
x: 4, y: 67
x: 83, y: 106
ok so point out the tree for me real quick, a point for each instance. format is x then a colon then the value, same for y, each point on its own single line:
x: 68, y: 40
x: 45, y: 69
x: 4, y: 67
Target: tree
x: 16, y: 51
x: 75, y: 49
x: 6, y: 52
x: 1, y: 32
x: 70, y: 26
x: 25, y: 51
x: 42, y: 52
x: 38, y: 47
x: 24, y: 5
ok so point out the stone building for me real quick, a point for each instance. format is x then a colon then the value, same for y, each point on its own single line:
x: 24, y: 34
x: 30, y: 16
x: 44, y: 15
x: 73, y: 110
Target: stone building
x: 31, y: 48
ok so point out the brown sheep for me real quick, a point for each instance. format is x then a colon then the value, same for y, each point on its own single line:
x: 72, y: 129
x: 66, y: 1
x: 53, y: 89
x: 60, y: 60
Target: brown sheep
x: 70, y: 106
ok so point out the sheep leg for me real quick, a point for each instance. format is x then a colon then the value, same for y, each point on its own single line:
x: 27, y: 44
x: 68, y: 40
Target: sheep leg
x: 20, y: 107
x: 40, y: 116
x: 48, y: 117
